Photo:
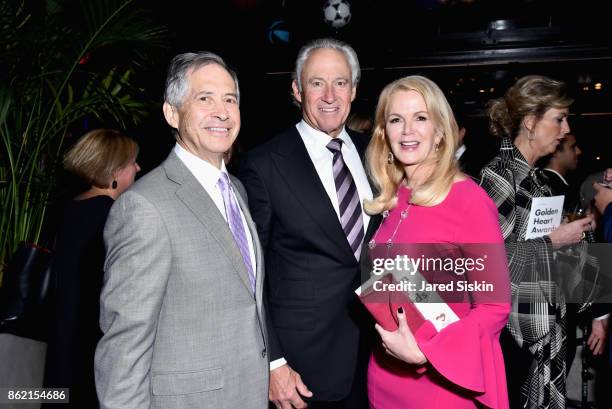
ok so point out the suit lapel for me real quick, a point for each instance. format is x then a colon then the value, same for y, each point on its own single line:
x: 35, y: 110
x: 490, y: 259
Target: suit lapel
x: 361, y: 143
x: 375, y: 222
x: 301, y: 177
x: 193, y: 195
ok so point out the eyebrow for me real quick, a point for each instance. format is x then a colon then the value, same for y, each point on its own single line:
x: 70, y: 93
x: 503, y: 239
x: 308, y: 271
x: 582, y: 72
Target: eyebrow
x: 201, y: 93
x: 206, y: 93
x: 323, y: 79
x: 416, y: 113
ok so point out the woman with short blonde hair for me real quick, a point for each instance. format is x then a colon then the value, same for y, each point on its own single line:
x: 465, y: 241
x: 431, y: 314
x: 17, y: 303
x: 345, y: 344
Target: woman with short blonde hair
x: 105, y: 160
x: 99, y: 155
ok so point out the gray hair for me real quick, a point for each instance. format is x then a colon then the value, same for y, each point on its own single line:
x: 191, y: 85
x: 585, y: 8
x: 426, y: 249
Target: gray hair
x: 329, y: 43
x: 181, y: 64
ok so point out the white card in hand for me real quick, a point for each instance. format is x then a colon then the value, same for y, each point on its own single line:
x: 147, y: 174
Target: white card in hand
x: 545, y: 215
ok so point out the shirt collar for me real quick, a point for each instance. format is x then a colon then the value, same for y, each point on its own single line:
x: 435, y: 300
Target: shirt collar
x: 558, y: 174
x: 319, y: 140
x: 513, y: 157
x: 460, y: 151
x: 207, y: 174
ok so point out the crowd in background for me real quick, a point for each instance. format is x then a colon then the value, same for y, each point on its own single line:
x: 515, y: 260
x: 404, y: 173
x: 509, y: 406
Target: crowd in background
x: 214, y: 291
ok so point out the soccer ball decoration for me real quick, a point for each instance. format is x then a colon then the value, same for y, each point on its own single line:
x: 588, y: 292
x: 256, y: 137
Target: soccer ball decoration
x: 337, y: 13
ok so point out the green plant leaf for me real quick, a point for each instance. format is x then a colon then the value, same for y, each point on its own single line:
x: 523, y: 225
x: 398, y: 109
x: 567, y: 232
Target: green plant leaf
x: 53, y: 77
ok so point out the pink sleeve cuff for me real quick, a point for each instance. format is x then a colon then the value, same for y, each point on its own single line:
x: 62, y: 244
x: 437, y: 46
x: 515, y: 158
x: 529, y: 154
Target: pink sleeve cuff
x: 455, y: 353
x: 469, y: 356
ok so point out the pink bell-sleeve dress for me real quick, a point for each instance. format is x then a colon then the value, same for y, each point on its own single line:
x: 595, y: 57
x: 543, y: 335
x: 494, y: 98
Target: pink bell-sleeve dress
x: 465, y: 366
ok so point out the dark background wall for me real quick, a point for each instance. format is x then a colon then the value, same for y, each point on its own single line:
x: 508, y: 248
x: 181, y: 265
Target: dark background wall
x: 474, y: 49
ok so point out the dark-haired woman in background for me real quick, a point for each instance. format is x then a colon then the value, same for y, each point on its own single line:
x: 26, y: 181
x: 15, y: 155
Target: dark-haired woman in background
x: 531, y: 119
x: 105, y: 160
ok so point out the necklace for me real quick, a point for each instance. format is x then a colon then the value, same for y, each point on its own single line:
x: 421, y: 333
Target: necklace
x: 403, y: 215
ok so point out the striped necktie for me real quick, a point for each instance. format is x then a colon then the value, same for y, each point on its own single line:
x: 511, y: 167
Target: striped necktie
x: 351, y: 217
x: 232, y: 212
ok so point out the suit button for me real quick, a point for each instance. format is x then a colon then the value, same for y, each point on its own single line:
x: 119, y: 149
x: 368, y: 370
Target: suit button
x: 263, y: 353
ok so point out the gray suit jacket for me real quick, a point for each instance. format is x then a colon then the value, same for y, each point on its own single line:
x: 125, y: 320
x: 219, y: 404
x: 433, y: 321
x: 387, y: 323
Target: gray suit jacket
x: 181, y: 326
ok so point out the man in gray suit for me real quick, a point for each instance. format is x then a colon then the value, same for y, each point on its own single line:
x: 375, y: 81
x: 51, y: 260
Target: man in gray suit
x: 181, y: 304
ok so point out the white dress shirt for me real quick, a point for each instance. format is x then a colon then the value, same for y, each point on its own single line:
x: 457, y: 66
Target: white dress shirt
x: 460, y: 151
x: 316, y: 145
x: 208, y: 176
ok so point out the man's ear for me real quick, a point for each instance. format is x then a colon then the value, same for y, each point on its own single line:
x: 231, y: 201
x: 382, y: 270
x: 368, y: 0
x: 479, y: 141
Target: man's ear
x: 171, y: 115
x: 296, y: 92
x: 353, y: 94
x: 461, y: 135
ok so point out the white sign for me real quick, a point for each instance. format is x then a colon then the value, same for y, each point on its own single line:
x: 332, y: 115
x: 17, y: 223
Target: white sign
x: 545, y: 216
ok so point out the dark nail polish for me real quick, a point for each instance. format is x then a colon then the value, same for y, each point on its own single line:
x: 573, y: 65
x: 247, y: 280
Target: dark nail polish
x: 400, y: 310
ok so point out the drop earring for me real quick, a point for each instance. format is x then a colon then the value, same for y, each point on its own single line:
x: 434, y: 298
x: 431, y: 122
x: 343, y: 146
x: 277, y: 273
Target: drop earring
x: 114, y: 184
x: 531, y: 135
x: 390, y: 158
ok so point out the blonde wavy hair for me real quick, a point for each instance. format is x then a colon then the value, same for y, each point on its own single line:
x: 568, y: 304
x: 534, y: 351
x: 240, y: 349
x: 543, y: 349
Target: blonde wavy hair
x: 387, y: 177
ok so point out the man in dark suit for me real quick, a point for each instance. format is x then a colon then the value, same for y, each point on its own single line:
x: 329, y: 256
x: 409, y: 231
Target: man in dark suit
x: 306, y: 188
x: 471, y: 157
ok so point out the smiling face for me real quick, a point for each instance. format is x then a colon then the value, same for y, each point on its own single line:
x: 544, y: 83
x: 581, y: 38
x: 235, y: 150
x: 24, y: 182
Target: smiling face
x: 411, y: 131
x: 208, y: 119
x: 327, y: 91
x: 549, y: 131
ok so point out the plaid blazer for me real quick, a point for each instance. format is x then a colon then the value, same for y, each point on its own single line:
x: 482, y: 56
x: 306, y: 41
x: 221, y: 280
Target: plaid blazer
x: 537, y: 320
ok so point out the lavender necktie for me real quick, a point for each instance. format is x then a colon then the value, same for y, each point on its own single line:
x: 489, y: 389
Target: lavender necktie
x: 232, y: 212
x: 351, y: 217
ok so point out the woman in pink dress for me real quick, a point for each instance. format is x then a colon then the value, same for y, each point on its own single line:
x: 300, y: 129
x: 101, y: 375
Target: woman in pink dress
x: 424, y: 198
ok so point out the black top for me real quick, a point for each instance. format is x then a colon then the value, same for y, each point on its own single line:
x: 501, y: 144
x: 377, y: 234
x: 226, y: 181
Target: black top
x: 77, y: 280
